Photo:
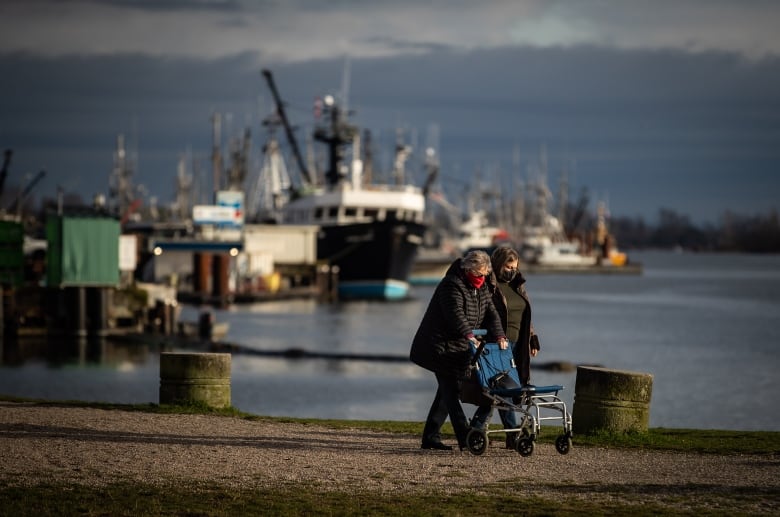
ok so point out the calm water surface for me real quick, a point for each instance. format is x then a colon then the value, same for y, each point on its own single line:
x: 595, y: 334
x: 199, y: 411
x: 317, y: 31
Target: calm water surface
x: 706, y: 326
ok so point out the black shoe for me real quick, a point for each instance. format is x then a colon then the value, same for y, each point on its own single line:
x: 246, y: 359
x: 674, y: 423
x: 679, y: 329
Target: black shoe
x: 435, y: 445
x: 465, y: 443
x: 511, y: 440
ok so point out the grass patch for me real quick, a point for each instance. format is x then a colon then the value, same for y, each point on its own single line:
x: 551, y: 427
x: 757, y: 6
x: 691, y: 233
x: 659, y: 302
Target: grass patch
x: 689, y: 440
x: 683, y: 440
x: 134, y: 499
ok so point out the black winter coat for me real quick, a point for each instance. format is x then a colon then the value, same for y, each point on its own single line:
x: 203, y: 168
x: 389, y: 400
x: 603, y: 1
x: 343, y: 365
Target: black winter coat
x: 456, y: 308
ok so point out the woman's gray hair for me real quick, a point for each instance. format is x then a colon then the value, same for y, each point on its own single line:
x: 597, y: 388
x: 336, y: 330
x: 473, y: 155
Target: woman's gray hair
x: 475, y: 259
x: 501, y: 255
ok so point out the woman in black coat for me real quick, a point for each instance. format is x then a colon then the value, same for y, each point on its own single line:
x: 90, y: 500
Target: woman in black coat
x: 460, y: 304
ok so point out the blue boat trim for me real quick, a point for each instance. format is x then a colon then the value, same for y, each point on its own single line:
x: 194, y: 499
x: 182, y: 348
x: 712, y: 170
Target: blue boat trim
x: 425, y: 280
x: 386, y: 290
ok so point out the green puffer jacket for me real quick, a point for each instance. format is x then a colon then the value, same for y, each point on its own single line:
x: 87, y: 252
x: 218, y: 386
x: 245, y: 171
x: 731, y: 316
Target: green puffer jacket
x: 456, y: 308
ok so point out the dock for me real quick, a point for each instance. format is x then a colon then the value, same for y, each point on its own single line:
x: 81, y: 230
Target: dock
x: 429, y: 270
x: 633, y: 268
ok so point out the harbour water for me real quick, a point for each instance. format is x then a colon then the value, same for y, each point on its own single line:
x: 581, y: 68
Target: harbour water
x: 706, y: 326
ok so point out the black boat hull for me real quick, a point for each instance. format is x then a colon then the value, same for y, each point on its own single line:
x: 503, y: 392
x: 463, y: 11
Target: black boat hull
x: 374, y: 259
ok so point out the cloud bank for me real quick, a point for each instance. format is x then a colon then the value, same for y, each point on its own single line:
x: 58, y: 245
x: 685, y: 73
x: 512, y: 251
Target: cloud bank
x: 674, y: 105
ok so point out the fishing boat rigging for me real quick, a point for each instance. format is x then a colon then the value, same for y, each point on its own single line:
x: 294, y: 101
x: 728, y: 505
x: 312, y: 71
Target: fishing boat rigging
x: 369, y: 231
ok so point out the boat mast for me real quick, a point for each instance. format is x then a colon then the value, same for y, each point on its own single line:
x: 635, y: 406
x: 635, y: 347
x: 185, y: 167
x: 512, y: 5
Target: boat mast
x: 563, y: 199
x: 402, y: 153
x: 183, y: 189
x: 216, y: 153
x: 336, y: 135
x: 121, y: 190
x: 517, y: 203
x: 368, y: 158
x: 271, y: 191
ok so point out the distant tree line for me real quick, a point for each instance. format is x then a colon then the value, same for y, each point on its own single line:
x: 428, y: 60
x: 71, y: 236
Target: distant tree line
x: 733, y: 232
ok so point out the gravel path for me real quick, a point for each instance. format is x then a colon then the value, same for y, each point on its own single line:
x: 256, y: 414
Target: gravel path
x: 96, y: 446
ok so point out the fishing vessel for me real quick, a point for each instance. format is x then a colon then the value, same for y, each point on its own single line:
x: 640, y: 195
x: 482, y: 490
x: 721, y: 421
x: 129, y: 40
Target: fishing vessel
x: 548, y: 245
x: 368, y: 232
x: 477, y: 233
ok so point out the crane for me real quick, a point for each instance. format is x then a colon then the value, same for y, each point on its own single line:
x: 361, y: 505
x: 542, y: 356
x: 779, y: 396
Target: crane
x: 16, y: 205
x: 4, y: 172
x: 287, y: 128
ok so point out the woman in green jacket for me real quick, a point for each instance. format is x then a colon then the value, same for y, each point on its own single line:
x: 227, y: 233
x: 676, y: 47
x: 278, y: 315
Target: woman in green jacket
x: 507, y: 286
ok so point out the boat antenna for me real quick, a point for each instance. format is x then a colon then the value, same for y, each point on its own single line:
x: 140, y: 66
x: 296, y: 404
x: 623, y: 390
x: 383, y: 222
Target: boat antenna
x: 287, y: 128
x: 432, y: 167
x: 346, y: 77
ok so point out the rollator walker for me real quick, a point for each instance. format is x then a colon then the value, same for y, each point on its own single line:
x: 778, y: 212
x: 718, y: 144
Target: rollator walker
x: 494, y: 370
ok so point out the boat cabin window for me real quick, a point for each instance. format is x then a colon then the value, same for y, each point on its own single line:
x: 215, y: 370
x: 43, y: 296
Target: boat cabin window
x: 350, y: 212
x: 318, y: 213
x: 333, y: 212
x: 391, y: 214
x: 371, y: 213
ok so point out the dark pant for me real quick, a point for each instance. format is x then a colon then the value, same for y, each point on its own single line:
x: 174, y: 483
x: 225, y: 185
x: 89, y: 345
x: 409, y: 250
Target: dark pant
x: 483, y: 414
x: 446, y: 403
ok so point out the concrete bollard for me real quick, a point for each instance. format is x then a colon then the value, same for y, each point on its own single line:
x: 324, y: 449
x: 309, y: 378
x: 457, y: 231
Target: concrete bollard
x: 186, y: 378
x: 611, y: 400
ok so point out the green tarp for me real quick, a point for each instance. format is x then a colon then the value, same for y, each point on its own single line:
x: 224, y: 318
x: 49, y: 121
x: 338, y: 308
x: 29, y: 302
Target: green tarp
x: 83, y: 251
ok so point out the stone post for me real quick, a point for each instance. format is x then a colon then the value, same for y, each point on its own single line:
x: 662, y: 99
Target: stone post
x: 611, y: 400
x: 187, y: 378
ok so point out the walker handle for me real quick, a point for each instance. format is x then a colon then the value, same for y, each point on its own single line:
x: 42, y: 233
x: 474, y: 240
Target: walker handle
x: 478, y: 350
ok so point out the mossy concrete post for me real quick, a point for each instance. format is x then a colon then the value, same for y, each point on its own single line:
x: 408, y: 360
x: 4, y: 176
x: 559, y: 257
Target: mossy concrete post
x: 611, y: 400
x: 187, y: 378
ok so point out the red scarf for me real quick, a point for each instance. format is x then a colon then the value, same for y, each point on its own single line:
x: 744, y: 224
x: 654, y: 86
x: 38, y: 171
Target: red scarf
x: 474, y: 280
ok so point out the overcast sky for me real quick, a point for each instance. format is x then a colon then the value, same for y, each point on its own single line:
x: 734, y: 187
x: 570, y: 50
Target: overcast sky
x: 648, y: 104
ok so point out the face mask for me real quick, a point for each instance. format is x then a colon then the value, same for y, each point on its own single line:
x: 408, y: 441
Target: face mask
x: 506, y: 275
x: 474, y: 280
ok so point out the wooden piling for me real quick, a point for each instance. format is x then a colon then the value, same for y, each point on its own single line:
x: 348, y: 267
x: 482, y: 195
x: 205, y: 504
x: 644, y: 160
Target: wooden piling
x: 220, y: 268
x: 201, y: 276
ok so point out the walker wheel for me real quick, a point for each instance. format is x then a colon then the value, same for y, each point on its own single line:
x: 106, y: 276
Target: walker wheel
x: 563, y: 443
x: 525, y: 446
x: 477, y: 441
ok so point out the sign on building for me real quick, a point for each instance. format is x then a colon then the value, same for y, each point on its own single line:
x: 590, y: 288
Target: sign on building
x: 228, y: 212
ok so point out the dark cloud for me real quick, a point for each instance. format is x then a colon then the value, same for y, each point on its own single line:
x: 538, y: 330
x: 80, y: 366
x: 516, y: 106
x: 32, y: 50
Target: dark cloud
x: 698, y: 133
x: 177, y: 5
